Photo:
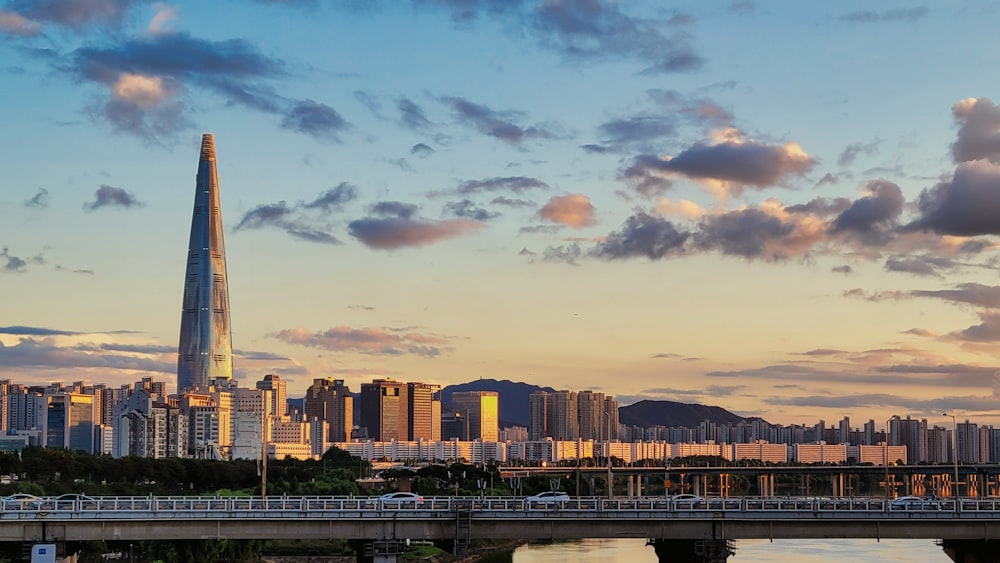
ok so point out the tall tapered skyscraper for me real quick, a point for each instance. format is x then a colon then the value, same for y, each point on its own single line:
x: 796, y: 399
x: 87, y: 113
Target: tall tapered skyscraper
x: 206, y: 351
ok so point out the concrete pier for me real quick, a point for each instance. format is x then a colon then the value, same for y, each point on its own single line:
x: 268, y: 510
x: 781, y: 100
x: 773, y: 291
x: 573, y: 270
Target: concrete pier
x: 692, y: 551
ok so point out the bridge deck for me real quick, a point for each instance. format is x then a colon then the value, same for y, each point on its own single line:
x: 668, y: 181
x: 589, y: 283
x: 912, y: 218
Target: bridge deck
x: 136, y: 518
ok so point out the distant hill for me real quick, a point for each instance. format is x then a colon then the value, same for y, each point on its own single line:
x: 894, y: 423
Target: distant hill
x: 514, y: 406
x: 513, y: 398
x: 669, y: 413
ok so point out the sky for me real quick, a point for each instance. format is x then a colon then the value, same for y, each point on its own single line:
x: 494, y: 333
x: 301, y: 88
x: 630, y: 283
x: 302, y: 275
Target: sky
x: 786, y: 209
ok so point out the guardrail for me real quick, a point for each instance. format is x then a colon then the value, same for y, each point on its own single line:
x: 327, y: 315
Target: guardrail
x: 495, y: 507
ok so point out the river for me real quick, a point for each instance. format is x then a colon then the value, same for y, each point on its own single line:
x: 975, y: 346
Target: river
x: 747, y: 551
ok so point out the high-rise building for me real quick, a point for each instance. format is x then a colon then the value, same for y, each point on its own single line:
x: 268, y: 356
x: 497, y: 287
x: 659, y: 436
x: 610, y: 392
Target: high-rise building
x: 69, y: 421
x: 423, y: 410
x: 481, y: 410
x: 205, y: 352
x: 384, y: 410
x: 280, y: 397
x: 555, y: 415
x: 330, y: 405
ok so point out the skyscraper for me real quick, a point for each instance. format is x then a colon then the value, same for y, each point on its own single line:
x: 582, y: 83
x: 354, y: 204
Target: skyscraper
x: 481, y: 410
x: 205, y: 351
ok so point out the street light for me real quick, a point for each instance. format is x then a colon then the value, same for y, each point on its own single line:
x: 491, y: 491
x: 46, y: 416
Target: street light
x: 885, y: 455
x: 954, y: 447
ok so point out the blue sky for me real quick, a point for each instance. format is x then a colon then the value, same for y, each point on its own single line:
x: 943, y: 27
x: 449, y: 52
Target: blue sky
x: 788, y: 209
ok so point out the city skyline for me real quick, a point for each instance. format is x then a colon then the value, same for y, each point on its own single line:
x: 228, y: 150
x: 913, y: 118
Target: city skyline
x: 583, y: 195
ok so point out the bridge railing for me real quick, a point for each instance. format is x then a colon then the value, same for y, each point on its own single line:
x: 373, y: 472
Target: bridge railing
x: 22, y: 506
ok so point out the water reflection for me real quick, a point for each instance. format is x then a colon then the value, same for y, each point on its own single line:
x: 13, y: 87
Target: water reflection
x: 747, y: 551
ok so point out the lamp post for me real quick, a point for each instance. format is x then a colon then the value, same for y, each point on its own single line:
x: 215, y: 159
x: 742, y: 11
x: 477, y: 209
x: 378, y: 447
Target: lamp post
x: 885, y: 455
x: 954, y: 448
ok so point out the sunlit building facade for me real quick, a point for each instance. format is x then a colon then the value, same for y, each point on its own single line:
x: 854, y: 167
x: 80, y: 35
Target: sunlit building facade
x: 482, y: 412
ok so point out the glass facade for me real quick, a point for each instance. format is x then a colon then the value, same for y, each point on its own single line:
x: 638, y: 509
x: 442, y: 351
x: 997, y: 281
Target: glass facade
x: 205, y: 350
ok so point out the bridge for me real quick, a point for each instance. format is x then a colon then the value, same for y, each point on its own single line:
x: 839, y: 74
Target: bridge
x: 690, y: 530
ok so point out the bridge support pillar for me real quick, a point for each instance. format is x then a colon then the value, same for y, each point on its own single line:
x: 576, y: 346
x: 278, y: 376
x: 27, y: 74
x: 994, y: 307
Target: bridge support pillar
x: 381, y: 551
x: 692, y: 551
x: 972, y: 551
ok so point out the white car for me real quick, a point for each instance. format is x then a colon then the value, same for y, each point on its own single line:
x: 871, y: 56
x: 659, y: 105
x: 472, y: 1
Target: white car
x: 686, y: 500
x: 400, y: 499
x: 914, y: 503
x: 548, y: 497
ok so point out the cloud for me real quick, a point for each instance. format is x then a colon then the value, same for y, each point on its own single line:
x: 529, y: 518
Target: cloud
x: 919, y: 265
x: 890, y: 15
x: 389, y: 233
x: 81, y: 271
x: 851, y: 152
x: 589, y: 29
x: 73, y: 13
x: 110, y: 196
x: 31, y: 353
x: 967, y: 205
x: 161, y: 22
x: 979, y: 130
x: 13, y: 23
x: 263, y: 215
x: 39, y: 200
x: 147, y: 78
x: 512, y: 184
x: 295, y: 221
x: 566, y: 254
x: 573, y: 210
x: 636, y: 129
x: 727, y: 166
x: 767, y: 232
x: 316, y: 119
x: 842, y: 269
x: 535, y: 229
x: 411, y: 115
x: 469, y: 210
x: 35, y: 331
x: 970, y: 293
x: 740, y: 164
x: 873, y: 216
x: 642, y: 235
x: 493, y: 123
x: 397, y: 209
x: 374, y: 341
x: 987, y: 331
x: 599, y: 28
x: 421, y: 149
x: 512, y: 202
x: 334, y: 199
x: 670, y: 111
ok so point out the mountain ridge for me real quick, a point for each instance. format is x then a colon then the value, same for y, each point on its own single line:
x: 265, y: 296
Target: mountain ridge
x: 514, y: 409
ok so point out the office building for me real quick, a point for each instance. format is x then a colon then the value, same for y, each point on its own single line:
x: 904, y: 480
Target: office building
x: 205, y: 351
x: 481, y: 410
x: 69, y: 422
x: 330, y: 405
x: 279, y: 389
x: 384, y: 409
x: 423, y: 411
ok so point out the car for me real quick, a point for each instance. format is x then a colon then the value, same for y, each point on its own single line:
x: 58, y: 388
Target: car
x: 548, y: 497
x: 914, y: 503
x: 686, y: 500
x: 21, y: 496
x: 73, y: 496
x: 21, y: 501
x: 400, y: 498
